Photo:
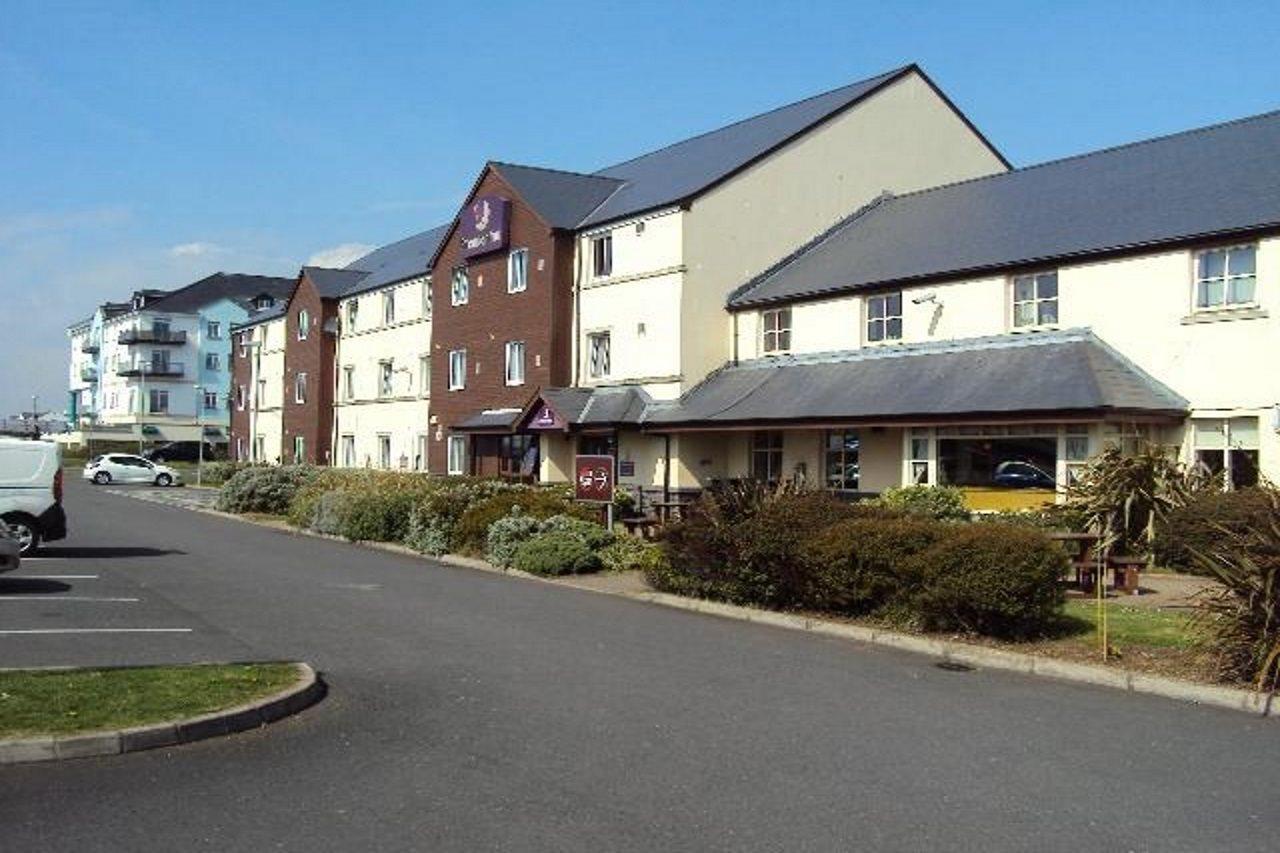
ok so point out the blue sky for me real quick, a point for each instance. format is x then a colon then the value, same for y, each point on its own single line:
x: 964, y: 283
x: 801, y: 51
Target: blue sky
x: 148, y: 144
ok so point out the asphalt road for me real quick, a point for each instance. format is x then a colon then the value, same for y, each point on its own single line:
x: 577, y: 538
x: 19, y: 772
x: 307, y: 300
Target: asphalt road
x: 474, y: 712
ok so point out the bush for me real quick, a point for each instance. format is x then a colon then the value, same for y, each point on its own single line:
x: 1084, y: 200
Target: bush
x: 991, y: 579
x: 378, y: 516
x: 1198, y: 526
x: 507, y: 534
x: 353, y: 481
x: 217, y: 473
x: 589, y: 533
x: 328, y: 517
x: 264, y: 489
x: 863, y: 564
x: 1047, y: 518
x: 471, y: 532
x: 626, y: 553
x: 555, y: 553
x: 440, y: 510
x: 427, y: 532
x: 943, y: 503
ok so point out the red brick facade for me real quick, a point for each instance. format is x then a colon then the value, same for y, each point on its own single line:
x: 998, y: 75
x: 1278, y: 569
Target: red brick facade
x: 540, y: 316
x: 241, y: 389
x: 312, y: 419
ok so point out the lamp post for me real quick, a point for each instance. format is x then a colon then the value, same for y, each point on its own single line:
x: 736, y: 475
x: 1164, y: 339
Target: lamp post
x: 199, y: 434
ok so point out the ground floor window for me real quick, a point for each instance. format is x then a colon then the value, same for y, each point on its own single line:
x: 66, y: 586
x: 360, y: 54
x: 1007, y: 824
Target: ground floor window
x: 918, y: 460
x: 841, y: 453
x: 766, y: 456
x: 299, y: 449
x: 240, y: 449
x: 457, y: 454
x: 1228, y: 447
x: 1018, y: 457
x: 349, y: 451
x: 384, y: 450
x: 518, y: 456
x: 420, y: 454
x: 260, y: 449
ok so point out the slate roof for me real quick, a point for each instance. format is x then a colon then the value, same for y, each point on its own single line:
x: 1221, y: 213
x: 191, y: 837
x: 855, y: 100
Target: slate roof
x: 238, y: 287
x: 1050, y: 372
x: 502, y: 420
x: 562, y: 199
x: 263, y: 316
x: 1201, y: 183
x: 598, y: 406
x: 332, y: 283
x: 407, y: 258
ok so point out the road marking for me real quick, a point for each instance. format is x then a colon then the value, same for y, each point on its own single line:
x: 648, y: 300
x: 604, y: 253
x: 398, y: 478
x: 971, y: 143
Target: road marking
x: 96, y: 631
x: 56, y: 597
x: 49, y: 578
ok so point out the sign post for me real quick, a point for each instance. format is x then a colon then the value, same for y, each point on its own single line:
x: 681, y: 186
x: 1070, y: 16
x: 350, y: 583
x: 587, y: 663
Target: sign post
x: 593, y: 482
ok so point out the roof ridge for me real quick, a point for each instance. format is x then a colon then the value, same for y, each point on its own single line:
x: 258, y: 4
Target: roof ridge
x: 882, y: 77
x: 591, y: 175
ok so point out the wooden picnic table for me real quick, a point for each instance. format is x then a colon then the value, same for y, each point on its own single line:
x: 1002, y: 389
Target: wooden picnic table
x: 1125, y: 571
x: 669, y: 510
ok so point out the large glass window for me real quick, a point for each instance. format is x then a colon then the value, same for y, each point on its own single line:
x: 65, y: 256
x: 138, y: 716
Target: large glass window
x: 159, y: 401
x: 1035, y: 299
x: 518, y: 456
x: 842, y: 460
x: 517, y: 270
x: 884, y: 317
x: 1228, y: 447
x: 1012, y: 457
x: 775, y: 328
x: 766, y: 456
x: 1226, y: 277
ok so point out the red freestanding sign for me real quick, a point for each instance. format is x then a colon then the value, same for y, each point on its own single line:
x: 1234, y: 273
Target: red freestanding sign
x: 593, y: 479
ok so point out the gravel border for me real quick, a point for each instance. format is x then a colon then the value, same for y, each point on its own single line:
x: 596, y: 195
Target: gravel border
x: 308, y: 689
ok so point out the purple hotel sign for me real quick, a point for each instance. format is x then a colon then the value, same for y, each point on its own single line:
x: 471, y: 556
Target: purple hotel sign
x: 545, y: 417
x: 482, y: 228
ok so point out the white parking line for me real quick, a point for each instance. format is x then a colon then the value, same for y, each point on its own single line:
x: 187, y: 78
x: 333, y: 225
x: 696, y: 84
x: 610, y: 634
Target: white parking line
x: 51, y: 577
x: 96, y: 631
x: 53, y: 598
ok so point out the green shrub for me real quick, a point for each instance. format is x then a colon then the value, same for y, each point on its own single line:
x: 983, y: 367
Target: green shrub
x: 555, y: 553
x: 354, y: 481
x: 863, y: 564
x: 627, y: 553
x: 329, y: 515
x: 943, y: 503
x: 1048, y: 518
x: 443, y: 507
x: 471, y: 532
x: 589, y: 533
x: 1198, y: 526
x: 427, y: 532
x: 507, y: 534
x: 990, y: 579
x: 379, y: 516
x: 217, y: 473
x: 264, y: 489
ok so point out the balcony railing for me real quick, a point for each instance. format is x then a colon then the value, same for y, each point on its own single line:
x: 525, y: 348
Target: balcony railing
x: 90, y: 347
x: 168, y: 369
x: 88, y: 374
x: 152, y: 336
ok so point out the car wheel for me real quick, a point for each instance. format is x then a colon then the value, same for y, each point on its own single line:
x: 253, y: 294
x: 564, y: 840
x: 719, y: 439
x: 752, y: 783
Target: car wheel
x: 102, y: 478
x: 23, y: 528
x: 164, y: 480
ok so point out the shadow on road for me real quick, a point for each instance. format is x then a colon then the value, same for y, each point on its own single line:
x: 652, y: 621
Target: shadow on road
x: 104, y: 552
x: 29, y: 586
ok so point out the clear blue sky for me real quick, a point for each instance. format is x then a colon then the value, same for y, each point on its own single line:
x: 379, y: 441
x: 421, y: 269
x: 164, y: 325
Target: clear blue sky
x: 147, y: 144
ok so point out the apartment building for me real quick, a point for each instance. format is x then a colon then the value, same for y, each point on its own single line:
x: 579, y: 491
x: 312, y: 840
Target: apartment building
x: 382, y: 403
x: 258, y: 387
x: 158, y: 367
x: 565, y: 299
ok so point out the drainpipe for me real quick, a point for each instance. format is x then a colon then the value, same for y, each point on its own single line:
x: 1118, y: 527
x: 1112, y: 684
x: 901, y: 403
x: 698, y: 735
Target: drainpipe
x: 735, y: 337
x: 666, y: 469
x: 576, y: 309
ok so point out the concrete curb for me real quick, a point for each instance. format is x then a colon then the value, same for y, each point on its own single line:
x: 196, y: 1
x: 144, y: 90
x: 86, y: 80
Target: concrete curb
x: 1235, y: 699
x: 303, y: 693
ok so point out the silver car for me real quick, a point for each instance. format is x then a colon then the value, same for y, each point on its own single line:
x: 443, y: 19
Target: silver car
x: 10, y: 550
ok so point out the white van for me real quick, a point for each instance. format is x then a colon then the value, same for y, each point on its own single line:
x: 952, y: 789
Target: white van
x: 31, y: 492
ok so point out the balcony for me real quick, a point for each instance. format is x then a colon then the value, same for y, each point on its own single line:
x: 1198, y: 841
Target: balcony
x: 90, y: 347
x: 152, y: 336
x: 88, y: 373
x: 158, y: 369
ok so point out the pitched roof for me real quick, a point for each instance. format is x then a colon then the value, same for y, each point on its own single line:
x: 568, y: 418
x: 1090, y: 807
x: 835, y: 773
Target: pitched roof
x: 562, y: 199
x: 263, y: 315
x: 238, y: 287
x: 1002, y: 375
x: 331, y: 283
x: 407, y: 258
x: 1200, y: 183
x: 624, y: 404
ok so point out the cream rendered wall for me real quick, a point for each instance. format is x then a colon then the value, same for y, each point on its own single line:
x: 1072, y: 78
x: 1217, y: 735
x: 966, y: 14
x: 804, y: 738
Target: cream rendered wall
x: 266, y: 398
x: 403, y: 415
x: 902, y: 138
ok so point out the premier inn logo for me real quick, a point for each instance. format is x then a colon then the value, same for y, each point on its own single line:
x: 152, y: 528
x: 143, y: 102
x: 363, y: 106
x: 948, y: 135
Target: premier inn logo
x: 483, y: 226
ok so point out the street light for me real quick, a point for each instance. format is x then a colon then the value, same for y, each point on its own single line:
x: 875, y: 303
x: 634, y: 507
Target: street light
x: 199, y: 434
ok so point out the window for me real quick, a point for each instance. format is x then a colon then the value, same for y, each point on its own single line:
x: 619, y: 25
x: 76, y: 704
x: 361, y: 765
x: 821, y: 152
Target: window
x: 842, y: 460
x: 598, y: 355
x: 386, y: 372
x: 426, y: 299
x: 517, y: 270
x: 457, y: 454
x: 1019, y: 456
x: 884, y: 317
x: 260, y: 448
x: 212, y: 361
x: 214, y: 330
x: 1229, y: 447
x: 766, y: 456
x: 388, y: 308
x: 304, y: 324
x: 244, y: 345
x: 424, y: 375
x: 460, y: 287
x: 348, y: 382
x: 262, y: 393
x: 353, y: 312
x: 1035, y: 299
x: 518, y: 457
x: 300, y: 388
x: 1226, y: 278
x: 240, y: 397
x: 457, y: 369
x: 349, y: 451
x: 602, y: 256
x: 918, y: 464
x: 1075, y: 451
x: 263, y: 301
x: 776, y: 330
x: 299, y: 449
x: 210, y: 400
x: 159, y: 401
x: 420, y: 453
x: 515, y: 362
x: 384, y: 450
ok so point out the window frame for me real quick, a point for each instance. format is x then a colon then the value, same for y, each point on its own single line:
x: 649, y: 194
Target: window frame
x: 347, y: 443
x: 884, y: 320
x: 510, y: 351
x: 424, y: 375
x: 154, y: 394
x: 213, y: 330
x: 1036, y: 300
x: 779, y: 333
x: 353, y: 314
x: 304, y: 324
x: 602, y: 255
x: 1226, y: 278
x: 518, y: 262
x: 459, y: 357
x: 762, y: 445
x: 383, y: 440
x: 299, y: 449
x: 459, y: 286
x: 459, y: 442
x: 388, y: 307
x: 1228, y: 465
x: 300, y: 388
x: 842, y: 454
x: 386, y: 378
x: 205, y: 401
x: 212, y: 361
x: 593, y: 340
x: 348, y: 382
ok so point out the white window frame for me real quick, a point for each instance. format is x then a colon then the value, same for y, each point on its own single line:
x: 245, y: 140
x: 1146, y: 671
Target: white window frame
x: 426, y: 299
x: 353, y: 313
x: 1036, y: 301
x: 384, y: 444
x: 518, y: 270
x: 299, y: 448
x: 348, y: 450
x: 386, y: 378
x: 424, y: 376
x: 348, y: 382
x: 457, y: 369
x: 515, y: 352
x: 459, y: 286
x: 884, y: 321
x: 1227, y: 278
x: 241, y: 397
x: 388, y: 308
x: 300, y: 387
x: 1229, y: 443
x: 456, y: 452
x: 212, y: 361
x: 598, y: 368
x: 420, y: 449
x: 210, y: 395
x: 304, y: 324
x: 154, y: 394
x: 781, y: 332
x: 214, y: 330
x: 602, y: 255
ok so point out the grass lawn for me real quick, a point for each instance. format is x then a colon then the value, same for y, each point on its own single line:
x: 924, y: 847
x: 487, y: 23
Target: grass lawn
x: 1128, y: 625
x: 61, y: 702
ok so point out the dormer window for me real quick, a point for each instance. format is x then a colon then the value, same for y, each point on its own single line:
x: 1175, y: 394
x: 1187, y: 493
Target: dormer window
x: 775, y: 328
x: 263, y: 301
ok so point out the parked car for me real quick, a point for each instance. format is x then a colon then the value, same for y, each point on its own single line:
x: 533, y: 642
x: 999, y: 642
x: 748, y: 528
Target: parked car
x: 10, y: 550
x: 1016, y: 474
x: 127, y: 468
x: 31, y: 492
x: 184, y: 451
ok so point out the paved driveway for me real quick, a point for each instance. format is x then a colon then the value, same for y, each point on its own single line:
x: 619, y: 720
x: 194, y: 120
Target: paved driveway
x: 474, y: 712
